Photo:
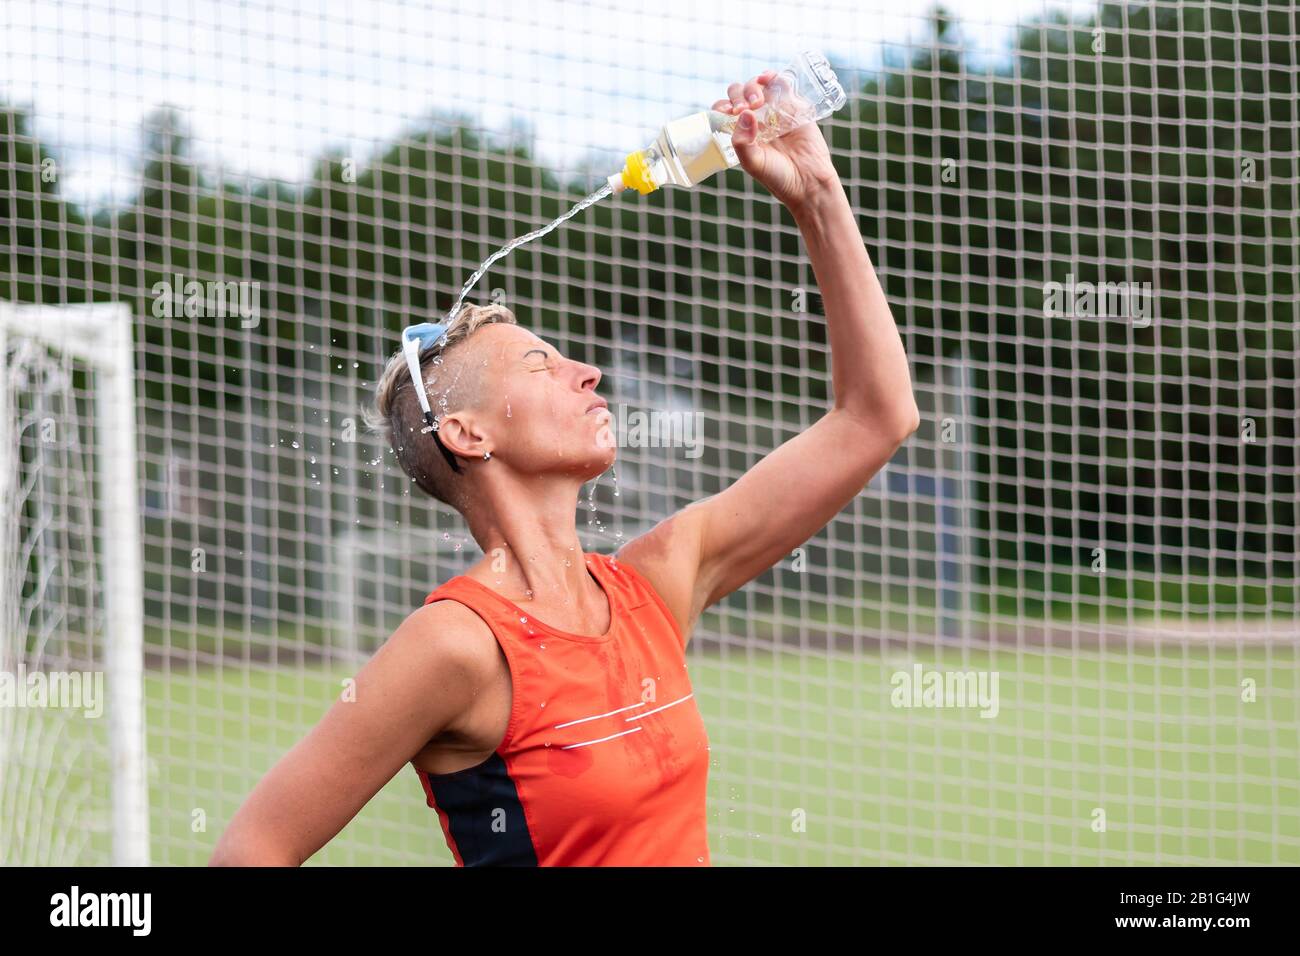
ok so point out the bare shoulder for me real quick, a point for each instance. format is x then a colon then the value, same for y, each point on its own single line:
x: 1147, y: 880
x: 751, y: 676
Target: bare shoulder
x: 446, y: 636
x: 441, y: 667
x: 668, y: 556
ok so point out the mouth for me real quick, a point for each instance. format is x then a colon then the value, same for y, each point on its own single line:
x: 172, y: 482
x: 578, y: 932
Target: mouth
x: 598, y: 406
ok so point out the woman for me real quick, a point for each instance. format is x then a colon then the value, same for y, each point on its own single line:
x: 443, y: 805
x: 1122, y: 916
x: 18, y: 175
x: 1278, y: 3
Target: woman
x: 542, y: 697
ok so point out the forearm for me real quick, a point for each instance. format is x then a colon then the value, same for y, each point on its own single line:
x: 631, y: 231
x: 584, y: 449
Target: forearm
x: 869, y: 372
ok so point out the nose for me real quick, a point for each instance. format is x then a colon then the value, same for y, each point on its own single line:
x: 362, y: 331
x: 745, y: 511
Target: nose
x: 588, y: 376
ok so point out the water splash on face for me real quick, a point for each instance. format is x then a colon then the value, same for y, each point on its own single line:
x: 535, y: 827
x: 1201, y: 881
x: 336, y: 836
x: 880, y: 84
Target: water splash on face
x: 596, y: 528
x: 594, y: 524
x: 442, y: 404
x: 618, y: 532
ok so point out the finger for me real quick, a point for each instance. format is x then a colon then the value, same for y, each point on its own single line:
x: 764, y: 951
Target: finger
x: 753, y: 94
x: 736, y: 93
x: 766, y: 77
x: 722, y: 106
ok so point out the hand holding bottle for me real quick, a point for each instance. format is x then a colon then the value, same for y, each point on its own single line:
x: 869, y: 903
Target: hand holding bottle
x: 783, y: 149
x: 774, y: 141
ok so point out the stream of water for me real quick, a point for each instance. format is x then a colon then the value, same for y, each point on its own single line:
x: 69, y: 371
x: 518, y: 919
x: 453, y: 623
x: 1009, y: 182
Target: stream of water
x: 514, y: 244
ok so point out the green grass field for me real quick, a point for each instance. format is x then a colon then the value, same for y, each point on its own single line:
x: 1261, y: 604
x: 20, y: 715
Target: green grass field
x: 1158, y: 738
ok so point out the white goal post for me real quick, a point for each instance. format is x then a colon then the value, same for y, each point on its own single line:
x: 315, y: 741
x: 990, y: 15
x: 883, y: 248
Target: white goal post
x: 96, y: 341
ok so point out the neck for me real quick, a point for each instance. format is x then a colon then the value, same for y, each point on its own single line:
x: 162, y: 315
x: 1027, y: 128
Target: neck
x: 529, y: 536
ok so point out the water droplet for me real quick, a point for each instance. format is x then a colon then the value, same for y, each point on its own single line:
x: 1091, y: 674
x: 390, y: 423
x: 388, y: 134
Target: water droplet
x: 295, y: 444
x: 523, y: 620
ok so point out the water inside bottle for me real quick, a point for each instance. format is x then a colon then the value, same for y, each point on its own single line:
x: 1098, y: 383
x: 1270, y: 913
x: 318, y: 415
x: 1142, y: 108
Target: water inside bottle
x: 513, y: 244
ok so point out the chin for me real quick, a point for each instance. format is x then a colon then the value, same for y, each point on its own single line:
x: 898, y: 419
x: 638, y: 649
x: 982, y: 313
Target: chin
x: 588, y: 464
x: 596, y: 458
x: 606, y: 444
x: 603, y: 460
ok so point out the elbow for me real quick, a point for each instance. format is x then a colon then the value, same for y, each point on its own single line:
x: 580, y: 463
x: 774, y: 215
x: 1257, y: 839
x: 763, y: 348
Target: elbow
x: 909, y: 421
x: 231, y: 850
x: 893, y: 424
x: 227, y: 853
x: 223, y: 857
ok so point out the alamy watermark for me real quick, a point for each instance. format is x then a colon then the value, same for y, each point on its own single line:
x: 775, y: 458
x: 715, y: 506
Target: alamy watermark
x: 175, y: 297
x: 54, y: 690
x: 636, y: 428
x: 938, y: 689
x: 1098, y: 300
x: 75, y: 908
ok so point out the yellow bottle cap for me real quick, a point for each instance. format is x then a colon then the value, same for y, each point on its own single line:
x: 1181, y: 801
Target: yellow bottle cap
x: 636, y: 173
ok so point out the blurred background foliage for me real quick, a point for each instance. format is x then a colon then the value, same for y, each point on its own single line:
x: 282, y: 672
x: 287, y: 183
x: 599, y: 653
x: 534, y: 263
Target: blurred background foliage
x: 1169, y: 156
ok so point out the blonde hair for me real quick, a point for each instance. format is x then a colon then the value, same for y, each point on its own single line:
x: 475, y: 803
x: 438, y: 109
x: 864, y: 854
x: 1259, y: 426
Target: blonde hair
x: 396, y: 413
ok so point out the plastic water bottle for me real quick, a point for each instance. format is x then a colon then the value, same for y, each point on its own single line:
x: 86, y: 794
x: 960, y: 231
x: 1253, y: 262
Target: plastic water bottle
x: 695, y: 147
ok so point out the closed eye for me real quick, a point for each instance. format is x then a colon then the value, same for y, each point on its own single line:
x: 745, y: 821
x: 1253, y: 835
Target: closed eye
x: 545, y: 363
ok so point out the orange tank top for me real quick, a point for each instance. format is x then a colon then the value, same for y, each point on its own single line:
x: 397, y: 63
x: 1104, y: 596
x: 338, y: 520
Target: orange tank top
x: 605, y: 759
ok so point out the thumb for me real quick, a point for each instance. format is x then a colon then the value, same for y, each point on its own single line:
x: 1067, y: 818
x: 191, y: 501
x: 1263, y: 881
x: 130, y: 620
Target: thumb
x: 745, y: 130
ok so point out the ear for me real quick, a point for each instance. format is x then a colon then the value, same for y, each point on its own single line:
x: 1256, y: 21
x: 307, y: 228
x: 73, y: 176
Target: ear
x: 461, y: 435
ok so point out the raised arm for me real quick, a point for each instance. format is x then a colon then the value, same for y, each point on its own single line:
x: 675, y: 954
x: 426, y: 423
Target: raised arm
x: 421, y: 680
x: 714, y: 546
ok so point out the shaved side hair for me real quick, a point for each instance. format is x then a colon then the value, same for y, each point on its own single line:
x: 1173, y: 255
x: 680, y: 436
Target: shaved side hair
x: 452, y: 381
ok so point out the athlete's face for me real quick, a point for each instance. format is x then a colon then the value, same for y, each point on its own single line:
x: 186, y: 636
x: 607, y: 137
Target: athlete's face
x: 541, y: 409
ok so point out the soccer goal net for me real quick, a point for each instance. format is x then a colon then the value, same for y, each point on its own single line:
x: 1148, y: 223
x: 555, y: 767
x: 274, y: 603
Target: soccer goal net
x: 1059, y: 627
x: 72, y: 771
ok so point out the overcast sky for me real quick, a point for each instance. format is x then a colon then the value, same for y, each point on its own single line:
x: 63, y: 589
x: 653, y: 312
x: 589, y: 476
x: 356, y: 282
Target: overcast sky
x: 267, y: 86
